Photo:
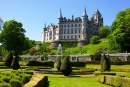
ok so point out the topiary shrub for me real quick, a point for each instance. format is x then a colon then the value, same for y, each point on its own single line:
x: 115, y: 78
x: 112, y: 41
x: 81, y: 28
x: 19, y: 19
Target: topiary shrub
x: 105, y: 63
x: 66, y: 67
x: 5, y: 85
x: 6, y: 79
x: 58, y: 64
x: 9, y: 59
x: 26, y: 78
x: 97, y: 56
x: 15, y: 64
x: 15, y: 83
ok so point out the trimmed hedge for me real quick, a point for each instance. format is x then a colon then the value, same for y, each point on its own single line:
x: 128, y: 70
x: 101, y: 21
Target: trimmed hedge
x: 5, y: 85
x: 115, y: 81
x: 41, y: 63
x: 38, y: 80
x: 78, y: 64
x: 103, y: 73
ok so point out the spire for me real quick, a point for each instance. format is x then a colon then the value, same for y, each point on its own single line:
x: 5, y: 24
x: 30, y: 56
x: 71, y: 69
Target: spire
x: 45, y: 25
x: 84, y: 13
x: 97, y: 11
x: 60, y: 15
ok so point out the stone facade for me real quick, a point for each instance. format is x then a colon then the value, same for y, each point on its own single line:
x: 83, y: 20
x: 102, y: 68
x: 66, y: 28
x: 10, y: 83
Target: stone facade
x: 79, y: 29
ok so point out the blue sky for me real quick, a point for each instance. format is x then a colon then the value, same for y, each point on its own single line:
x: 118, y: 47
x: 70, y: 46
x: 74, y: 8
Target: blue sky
x: 34, y: 13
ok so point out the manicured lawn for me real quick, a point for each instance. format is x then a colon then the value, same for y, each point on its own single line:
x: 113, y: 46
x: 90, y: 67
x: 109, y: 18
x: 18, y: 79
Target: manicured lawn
x: 73, y: 81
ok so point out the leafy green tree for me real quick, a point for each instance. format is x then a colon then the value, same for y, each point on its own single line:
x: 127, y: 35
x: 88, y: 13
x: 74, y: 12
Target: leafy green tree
x: 12, y: 36
x: 9, y: 59
x: 120, y: 30
x: 104, y: 31
x: 15, y: 64
x: 94, y: 40
x: 66, y: 67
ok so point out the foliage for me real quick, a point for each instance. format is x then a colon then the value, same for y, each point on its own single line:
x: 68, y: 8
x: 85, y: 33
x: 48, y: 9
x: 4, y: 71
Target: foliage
x: 15, y: 64
x: 78, y: 63
x: 9, y: 59
x: 104, y: 31
x: 120, y: 29
x: 26, y: 78
x: 58, y: 64
x: 15, y: 83
x: 40, y: 63
x: 105, y: 63
x: 97, y: 56
x: 94, y: 40
x: 12, y: 36
x: 5, y: 85
x: 32, y: 51
x: 96, y: 73
x: 66, y: 66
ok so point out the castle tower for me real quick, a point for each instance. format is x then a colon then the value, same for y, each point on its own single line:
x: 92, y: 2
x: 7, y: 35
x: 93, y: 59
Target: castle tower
x: 43, y: 33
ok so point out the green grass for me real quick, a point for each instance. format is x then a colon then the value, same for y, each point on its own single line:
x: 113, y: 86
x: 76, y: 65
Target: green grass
x: 73, y: 81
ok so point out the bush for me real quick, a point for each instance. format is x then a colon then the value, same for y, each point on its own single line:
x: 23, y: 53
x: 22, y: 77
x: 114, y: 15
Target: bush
x: 9, y: 59
x: 6, y: 79
x: 105, y: 63
x: 15, y: 83
x: 58, y: 64
x: 26, y: 79
x: 32, y: 51
x: 103, y: 73
x: 66, y: 66
x: 97, y: 56
x: 39, y: 63
x: 5, y: 85
x: 15, y: 64
x: 78, y: 64
x: 94, y: 40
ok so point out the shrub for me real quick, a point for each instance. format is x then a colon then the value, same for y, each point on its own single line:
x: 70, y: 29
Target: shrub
x: 15, y: 83
x: 104, y: 73
x: 78, y: 64
x: 105, y: 63
x: 66, y: 67
x: 97, y: 56
x: 6, y: 79
x: 15, y: 64
x: 9, y: 59
x: 5, y: 85
x: 101, y: 78
x: 32, y: 51
x: 94, y: 40
x: 58, y: 64
x: 39, y: 63
x: 26, y: 78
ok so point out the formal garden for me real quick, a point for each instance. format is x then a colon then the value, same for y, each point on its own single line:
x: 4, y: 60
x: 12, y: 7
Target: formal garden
x: 102, y: 71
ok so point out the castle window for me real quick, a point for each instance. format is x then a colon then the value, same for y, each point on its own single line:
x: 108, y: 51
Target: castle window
x: 68, y: 32
x: 64, y: 37
x: 64, y: 25
x: 79, y: 36
x: 64, y: 31
x: 79, y: 25
x: 75, y: 25
x: 79, y: 30
x: 75, y: 36
x: 71, y: 25
x: 68, y: 37
x: 68, y: 25
x: 72, y: 31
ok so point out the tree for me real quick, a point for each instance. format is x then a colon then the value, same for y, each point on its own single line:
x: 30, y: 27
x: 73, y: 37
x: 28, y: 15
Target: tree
x: 15, y: 63
x: 12, y: 36
x: 120, y: 29
x: 66, y: 67
x: 94, y: 40
x: 32, y: 51
x: 9, y: 59
x: 104, y: 31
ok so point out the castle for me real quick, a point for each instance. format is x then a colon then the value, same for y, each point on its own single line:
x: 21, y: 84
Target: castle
x: 79, y: 29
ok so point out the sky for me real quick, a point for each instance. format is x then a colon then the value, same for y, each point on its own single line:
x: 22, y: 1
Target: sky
x: 33, y: 14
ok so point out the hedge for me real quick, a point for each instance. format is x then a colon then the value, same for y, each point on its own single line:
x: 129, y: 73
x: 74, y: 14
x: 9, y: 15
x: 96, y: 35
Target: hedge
x: 78, y: 64
x: 41, y: 63
x: 115, y: 81
x: 96, y: 73
x: 38, y: 80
